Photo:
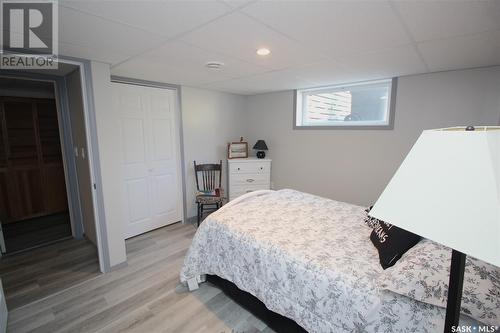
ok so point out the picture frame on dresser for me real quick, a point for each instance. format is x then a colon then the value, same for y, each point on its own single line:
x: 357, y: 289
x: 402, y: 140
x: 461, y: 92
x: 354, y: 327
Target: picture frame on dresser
x: 246, y: 175
x: 237, y: 150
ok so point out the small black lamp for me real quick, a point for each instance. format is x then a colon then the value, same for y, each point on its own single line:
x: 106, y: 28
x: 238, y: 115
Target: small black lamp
x: 260, y: 145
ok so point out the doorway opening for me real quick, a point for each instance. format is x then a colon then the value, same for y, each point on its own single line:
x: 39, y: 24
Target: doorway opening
x: 33, y: 199
x: 48, y: 232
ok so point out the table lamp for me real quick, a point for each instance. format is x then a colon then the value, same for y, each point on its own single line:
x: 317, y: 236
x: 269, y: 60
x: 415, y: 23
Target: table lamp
x: 260, y: 146
x: 448, y: 190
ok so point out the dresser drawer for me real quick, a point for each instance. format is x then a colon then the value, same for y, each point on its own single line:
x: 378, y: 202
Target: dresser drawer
x: 250, y: 167
x: 238, y: 190
x: 250, y: 179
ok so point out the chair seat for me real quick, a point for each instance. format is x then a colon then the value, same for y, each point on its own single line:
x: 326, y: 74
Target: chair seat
x: 208, y: 199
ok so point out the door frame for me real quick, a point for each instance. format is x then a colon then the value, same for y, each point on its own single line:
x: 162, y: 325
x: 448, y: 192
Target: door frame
x: 177, y: 89
x: 67, y: 149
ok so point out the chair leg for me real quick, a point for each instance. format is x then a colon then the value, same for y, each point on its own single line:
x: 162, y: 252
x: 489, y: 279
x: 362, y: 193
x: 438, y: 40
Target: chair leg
x: 201, y: 212
x: 198, y: 216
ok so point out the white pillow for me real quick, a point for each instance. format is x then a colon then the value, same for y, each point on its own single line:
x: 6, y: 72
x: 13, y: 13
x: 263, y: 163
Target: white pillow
x: 423, y: 273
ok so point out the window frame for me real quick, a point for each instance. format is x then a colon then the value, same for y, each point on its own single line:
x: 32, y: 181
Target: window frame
x: 389, y: 125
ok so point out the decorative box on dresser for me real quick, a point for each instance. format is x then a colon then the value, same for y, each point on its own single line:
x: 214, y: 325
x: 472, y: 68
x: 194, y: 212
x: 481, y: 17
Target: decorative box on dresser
x: 247, y: 175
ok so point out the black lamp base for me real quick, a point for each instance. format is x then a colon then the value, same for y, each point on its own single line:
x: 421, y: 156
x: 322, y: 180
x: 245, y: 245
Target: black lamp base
x: 454, y: 291
x: 261, y: 154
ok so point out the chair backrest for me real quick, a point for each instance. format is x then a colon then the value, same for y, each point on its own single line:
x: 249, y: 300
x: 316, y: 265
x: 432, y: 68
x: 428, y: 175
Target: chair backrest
x: 208, y: 176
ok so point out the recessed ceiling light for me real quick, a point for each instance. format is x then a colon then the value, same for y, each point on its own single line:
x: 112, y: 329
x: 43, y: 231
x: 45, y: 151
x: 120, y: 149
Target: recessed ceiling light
x: 214, y: 65
x: 263, y: 51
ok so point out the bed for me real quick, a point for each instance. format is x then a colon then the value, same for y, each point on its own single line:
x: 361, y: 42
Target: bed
x: 310, y: 259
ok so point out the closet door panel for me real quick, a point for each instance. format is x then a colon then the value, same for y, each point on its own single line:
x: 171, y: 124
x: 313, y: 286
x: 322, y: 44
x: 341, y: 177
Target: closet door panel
x: 21, y: 135
x: 162, y: 140
x: 164, y: 158
x: 48, y: 129
x: 28, y: 182
x: 55, y: 189
x: 163, y: 190
x: 52, y: 166
x: 6, y: 209
x: 23, y: 175
x: 135, y: 182
x: 150, y: 164
x: 32, y: 181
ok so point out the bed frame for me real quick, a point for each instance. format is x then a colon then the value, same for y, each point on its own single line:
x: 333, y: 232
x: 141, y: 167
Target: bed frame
x: 272, y: 319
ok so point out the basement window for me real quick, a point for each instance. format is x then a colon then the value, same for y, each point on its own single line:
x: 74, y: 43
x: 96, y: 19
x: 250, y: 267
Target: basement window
x: 365, y: 105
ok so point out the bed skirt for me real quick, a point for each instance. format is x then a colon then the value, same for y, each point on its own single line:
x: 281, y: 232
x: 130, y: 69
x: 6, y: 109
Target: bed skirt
x: 251, y: 303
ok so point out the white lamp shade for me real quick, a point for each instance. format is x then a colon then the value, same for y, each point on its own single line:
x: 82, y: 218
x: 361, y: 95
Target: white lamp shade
x: 448, y: 190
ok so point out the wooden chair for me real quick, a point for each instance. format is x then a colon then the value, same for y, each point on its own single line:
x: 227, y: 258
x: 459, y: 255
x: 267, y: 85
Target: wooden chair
x: 208, y: 178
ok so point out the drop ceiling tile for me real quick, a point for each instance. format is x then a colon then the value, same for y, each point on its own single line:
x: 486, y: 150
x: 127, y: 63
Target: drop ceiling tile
x: 98, y: 54
x: 164, y: 18
x: 190, y: 58
x: 239, y: 36
x: 157, y: 69
x: 338, y: 28
x: 375, y: 65
x: 261, y: 83
x: 462, y: 52
x: 388, y: 63
x: 428, y: 20
x: 238, y: 3
x: 86, y: 30
x: 325, y: 73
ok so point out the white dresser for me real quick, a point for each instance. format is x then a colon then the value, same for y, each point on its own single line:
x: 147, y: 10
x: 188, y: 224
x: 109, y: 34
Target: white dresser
x: 247, y: 175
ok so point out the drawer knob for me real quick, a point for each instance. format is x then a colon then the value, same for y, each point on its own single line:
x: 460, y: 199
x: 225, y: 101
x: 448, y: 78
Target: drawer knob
x: 248, y: 191
x: 250, y: 180
x: 238, y: 168
x: 261, y: 168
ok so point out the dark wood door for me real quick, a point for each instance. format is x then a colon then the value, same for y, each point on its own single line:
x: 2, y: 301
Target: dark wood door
x: 31, y: 169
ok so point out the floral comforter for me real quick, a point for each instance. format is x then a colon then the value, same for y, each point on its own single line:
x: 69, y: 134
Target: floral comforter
x: 307, y: 258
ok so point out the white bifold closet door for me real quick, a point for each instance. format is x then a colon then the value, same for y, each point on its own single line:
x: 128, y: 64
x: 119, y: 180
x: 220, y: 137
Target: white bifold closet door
x: 151, y: 176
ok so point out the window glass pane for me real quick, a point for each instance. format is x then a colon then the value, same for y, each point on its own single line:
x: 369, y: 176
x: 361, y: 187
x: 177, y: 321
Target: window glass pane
x: 364, y: 104
x: 328, y: 106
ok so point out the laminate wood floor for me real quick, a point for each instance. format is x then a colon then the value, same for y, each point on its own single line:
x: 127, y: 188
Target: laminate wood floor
x: 145, y: 296
x: 40, y: 272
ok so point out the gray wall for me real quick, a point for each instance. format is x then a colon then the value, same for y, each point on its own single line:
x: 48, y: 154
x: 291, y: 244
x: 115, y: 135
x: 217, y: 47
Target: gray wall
x: 209, y: 120
x: 109, y: 143
x: 355, y: 165
x: 75, y: 101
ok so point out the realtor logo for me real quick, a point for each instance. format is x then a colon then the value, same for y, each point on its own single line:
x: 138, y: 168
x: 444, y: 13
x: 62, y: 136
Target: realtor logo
x: 29, y: 34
